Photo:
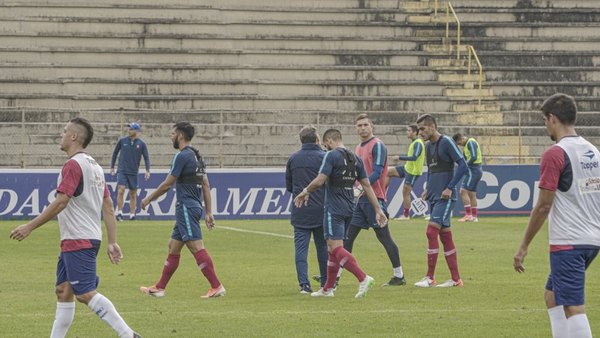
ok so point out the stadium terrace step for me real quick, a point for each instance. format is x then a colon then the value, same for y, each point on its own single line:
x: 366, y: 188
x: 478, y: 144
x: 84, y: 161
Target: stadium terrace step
x: 176, y: 73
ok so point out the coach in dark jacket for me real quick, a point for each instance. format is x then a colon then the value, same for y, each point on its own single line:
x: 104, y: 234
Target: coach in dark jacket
x: 302, y: 167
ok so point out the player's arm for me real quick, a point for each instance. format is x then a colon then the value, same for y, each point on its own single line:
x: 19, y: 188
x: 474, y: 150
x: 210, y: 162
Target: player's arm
x: 313, y: 186
x: 473, y: 150
x: 288, y: 177
x: 417, y: 149
x: 108, y: 213
x: 460, y: 170
x: 114, y: 157
x: 146, y: 161
x: 536, y: 221
x: 59, y: 204
x: 379, y: 154
x: 162, y: 189
x: 552, y: 166
x: 209, y: 219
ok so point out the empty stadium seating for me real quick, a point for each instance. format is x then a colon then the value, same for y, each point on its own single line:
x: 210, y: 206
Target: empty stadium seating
x: 251, y: 74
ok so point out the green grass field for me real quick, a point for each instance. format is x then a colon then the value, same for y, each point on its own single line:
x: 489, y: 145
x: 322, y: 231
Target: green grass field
x: 262, y: 294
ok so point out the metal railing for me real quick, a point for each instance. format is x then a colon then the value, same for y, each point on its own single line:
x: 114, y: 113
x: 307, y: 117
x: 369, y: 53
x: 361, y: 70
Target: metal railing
x: 472, y: 52
x: 449, y: 9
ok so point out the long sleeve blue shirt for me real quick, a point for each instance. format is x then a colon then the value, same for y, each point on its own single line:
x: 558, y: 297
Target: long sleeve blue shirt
x: 130, y: 152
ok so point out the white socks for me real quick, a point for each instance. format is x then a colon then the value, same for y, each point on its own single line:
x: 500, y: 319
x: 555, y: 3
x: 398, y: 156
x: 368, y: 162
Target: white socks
x: 558, y: 322
x: 62, y: 319
x: 576, y: 326
x: 579, y: 326
x: 398, y: 272
x: 107, y: 312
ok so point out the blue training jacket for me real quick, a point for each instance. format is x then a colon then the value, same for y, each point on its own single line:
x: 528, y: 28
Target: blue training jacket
x: 131, y: 152
x: 302, y: 167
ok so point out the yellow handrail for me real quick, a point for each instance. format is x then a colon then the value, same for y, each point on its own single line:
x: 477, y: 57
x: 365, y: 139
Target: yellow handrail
x: 448, y: 9
x: 472, y: 52
x: 435, y: 9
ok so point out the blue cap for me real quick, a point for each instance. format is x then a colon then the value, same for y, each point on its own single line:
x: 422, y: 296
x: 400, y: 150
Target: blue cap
x: 134, y: 126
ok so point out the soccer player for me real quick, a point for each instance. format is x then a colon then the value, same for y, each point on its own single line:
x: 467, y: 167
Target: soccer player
x: 468, y: 191
x: 411, y: 171
x: 340, y: 169
x: 569, y: 197
x: 130, y: 149
x: 373, y: 154
x: 188, y: 173
x: 302, y: 167
x: 441, y: 154
x: 81, y: 198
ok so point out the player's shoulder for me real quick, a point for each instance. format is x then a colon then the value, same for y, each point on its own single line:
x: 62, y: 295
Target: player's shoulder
x: 555, y: 151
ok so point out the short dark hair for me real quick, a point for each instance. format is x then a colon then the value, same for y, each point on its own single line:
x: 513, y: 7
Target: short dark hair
x: 308, y: 135
x: 362, y: 116
x: 186, y: 129
x: 457, y: 137
x: 414, y: 128
x: 332, y: 134
x: 89, y: 131
x: 562, y: 106
x: 427, y: 119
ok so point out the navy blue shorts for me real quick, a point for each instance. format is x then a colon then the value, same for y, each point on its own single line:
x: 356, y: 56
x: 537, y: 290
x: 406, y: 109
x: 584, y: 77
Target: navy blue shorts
x: 471, y: 178
x: 567, y: 275
x: 187, y: 224
x: 441, y: 212
x: 79, y: 269
x: 129, y: 181
x: 408, y: 178
x: 364, y: 215
x: 335, y: 226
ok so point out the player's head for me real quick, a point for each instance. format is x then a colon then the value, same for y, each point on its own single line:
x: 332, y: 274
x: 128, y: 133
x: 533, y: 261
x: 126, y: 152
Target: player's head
x: 412, y: 131
x: 309, y: 134
x: 364, y: 126
x: 182, y: 131
x: 77, y: 131
x: 331, y: 138
x: 559, y: 110
x: 133, y: 128
x: 460, y: 139
x: 427, y: 126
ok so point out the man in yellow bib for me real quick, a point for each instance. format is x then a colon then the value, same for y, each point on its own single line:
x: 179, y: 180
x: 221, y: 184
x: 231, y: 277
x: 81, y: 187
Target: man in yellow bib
x: 468, y: 191
x: 412, y: 170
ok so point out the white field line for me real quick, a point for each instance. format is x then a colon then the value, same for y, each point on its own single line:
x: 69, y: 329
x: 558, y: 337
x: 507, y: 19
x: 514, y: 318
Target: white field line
x: 307, y: 312
x: 256, y: 232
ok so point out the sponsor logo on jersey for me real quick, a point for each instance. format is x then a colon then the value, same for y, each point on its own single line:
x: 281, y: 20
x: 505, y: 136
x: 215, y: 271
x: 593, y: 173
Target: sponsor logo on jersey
x: 588, y: 162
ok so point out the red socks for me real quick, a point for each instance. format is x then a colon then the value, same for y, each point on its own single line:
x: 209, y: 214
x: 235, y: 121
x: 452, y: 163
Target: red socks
x: 206, y: 266
x: 406, y: 212
x: 346, y: 260
x: 332, y: 270
x: 468, y: 210
x: 474, y: 212
x: 433, y: 249
x: 450, y: 253
x: 169, y: 268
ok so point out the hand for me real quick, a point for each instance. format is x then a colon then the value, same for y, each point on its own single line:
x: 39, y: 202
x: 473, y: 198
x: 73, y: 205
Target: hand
x: 147, y: 175
x: 21, y: 232
x: 112, y: 171
x: 446, y: 194
x: 519, y: 259
x: 381, y: 219
x: 301, y: 199
x: 114, y: 253
x: 145, y: 203
x: 209, y: 219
